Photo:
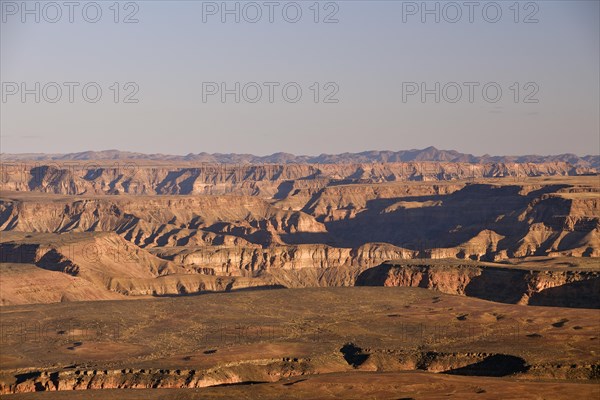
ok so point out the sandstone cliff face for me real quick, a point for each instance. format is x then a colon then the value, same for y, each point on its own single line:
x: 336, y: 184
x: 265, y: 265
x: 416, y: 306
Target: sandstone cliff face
x: 265, y: 180
x: 507, y: 285
x: 273, y: 369
x: 259, y: 370
x: 92, y: 256
x: 474, y: 221
x: 183, y: 284
x: 154, y: 221
x: 345, y: 201
x: 250, y: 261
x: 565, y: 224
x: 311, y: 228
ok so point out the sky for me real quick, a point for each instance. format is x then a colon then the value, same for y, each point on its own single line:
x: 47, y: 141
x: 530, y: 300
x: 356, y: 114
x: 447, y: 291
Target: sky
x: 305, y: 77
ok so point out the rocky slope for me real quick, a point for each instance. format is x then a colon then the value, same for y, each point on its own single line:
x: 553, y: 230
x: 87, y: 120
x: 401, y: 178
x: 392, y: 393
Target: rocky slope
x: 28, y: 284
x: 101, y: 266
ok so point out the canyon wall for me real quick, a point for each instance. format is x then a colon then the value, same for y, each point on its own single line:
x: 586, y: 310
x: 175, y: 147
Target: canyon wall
x: 191, y: 230
x: 507, y: 285
x: 268, y: 180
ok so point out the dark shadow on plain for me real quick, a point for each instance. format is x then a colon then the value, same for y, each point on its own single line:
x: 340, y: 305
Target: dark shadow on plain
x: 497, y: 365
x: 353, y: 354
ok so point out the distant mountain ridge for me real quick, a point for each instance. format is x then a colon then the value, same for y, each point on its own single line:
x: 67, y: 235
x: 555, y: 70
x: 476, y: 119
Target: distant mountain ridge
x: 427, y: 154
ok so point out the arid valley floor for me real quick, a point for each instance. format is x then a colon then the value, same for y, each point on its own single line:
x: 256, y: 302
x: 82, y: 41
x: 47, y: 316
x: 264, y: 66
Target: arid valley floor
x: 141, y: 278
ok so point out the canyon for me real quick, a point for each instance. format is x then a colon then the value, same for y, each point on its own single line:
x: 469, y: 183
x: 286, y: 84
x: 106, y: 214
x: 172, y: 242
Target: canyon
x: 97, y: 239
x: 291, y: 228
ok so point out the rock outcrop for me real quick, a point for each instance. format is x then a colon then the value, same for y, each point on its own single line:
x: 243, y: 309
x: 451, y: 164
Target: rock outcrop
x: 506, y: 285
x: 105, y: 177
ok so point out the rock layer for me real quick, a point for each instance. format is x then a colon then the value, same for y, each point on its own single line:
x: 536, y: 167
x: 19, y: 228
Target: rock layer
x: 506, y: 285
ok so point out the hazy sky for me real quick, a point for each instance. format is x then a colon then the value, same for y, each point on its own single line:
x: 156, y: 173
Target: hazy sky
x: 375, y: 61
